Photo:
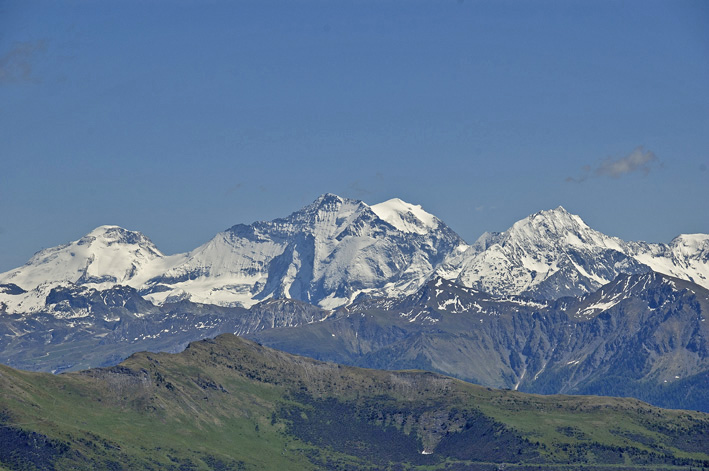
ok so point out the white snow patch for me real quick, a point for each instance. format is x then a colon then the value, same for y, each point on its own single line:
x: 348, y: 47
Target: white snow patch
x: 405, y: 216
x: 599, y: 306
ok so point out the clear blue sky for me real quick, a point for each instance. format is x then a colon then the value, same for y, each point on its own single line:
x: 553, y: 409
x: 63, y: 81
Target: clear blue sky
x: 182, y: 118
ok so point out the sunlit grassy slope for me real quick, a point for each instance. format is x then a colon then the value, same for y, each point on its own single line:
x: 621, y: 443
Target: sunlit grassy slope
x: 230, y: 403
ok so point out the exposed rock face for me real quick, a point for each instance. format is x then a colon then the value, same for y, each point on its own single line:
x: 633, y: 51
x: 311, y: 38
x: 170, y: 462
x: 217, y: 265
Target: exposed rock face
x: 641, y: 335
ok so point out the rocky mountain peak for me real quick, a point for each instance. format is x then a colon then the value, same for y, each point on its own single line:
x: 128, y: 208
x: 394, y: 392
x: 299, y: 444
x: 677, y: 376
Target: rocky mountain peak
x: 110, y: 235
x: 691, y: 245
x: 329, y: 203
x: 550, y: 224
x: 324, y: 215
x: 328, y: 199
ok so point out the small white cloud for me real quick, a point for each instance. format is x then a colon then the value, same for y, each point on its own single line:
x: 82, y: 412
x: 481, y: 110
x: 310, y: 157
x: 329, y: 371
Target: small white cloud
x: 639, y: 160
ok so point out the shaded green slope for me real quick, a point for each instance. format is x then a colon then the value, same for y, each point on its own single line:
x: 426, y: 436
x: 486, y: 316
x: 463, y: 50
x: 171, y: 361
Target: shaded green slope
x: 230, y: 403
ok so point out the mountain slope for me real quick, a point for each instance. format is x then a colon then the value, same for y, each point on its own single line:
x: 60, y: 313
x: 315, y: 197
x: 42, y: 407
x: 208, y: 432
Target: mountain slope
x: 644, y: 336
x: 232, y: 404
x: 82, y: 327
x: 648, y: 329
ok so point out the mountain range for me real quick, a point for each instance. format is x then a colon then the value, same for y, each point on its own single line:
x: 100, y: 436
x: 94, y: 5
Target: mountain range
x: 335, y: 250
x: 548, y: 306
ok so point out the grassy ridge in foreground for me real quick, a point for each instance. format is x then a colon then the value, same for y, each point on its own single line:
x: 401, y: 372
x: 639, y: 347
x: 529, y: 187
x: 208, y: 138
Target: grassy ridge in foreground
x: 232, y: 404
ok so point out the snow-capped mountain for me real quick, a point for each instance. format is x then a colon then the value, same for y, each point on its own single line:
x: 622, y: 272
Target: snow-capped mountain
x: 336, y: 249
x: 327, y: 253
x: 554, y: 253
x: 686, y: 257
x: 106, y: 256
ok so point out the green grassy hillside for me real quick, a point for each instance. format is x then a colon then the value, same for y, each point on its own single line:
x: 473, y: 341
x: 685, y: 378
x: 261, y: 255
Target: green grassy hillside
x: 230, y: 403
